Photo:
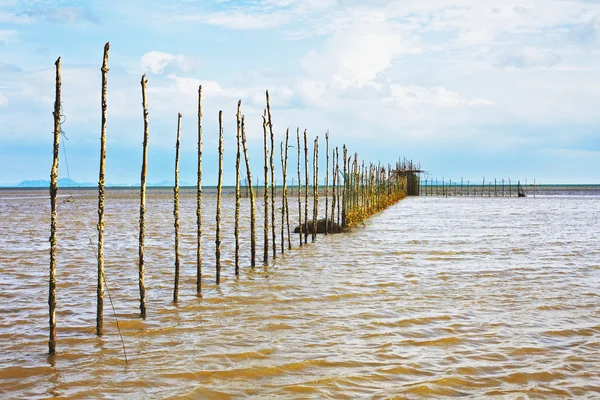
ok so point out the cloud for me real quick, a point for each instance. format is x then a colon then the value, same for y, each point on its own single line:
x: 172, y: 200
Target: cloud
x: 158, y: 62
x: 56, y: 15
x: 7, y: 35
x: 240, y: 20
x: 356, y: 55
x: 413, y: 95
x: 3, y: 100
x: 587, y: 33
x: 530, y: 57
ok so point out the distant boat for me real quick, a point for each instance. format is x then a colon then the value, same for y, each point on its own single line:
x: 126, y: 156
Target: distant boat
x: 520, y: 191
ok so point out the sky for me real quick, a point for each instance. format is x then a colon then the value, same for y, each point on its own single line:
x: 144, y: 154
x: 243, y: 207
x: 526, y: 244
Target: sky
x: 468, y: 88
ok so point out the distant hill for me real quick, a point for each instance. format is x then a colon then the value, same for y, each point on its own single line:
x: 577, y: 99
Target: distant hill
x: 62, y: 182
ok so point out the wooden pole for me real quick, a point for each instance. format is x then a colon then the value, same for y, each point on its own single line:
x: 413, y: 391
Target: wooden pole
x: 237, y: 192
x: 305, y: 187
x: 285, y: 193
x: 219, y: 190
x: 315, y: 187
x: 333, y: 186
x: 266, y: 194
x: 199, y: 200
x: 100, y: 283
x: 176, y: 210
x: 326, y: 181
x: 299, y: 188
x: 53, y: 194
x: 282, y: 199
x: 345, y: 157
x: 273, y: 227
x: 252, y: 198
x: 143, y: 203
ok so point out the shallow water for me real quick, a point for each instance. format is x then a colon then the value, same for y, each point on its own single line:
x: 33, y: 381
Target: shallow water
x: 432, y: 297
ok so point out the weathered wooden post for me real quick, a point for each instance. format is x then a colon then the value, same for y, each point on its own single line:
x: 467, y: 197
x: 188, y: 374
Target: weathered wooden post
x: 305, y: 187
x: 143, y: 203
x: 300, y: 226
x: 252, y: 198
x: 199, y: 200
x: 273, y: 228
x: 237, y: 191
x: 176, y: 210
x: 345, y: 157
x: 326, y: 181
x: 315, y: 187
x: 337, y: 196
x: 219, y: 190
x: 266, y: 193
x: 333, y: 187
x: 53, y: 194
x: 100, y: 283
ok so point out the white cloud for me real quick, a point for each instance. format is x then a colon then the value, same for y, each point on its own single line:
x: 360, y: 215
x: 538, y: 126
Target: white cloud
x: 3, y: 100
x: 158, y: 62
x: 413, y: 95
x: 529, y: 57
x: 241, y: 20
x: 7, y: 35
x: 358, y: 54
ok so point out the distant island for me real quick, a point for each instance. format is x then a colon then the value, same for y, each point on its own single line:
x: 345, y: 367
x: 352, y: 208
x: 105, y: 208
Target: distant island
x: 69, y: 183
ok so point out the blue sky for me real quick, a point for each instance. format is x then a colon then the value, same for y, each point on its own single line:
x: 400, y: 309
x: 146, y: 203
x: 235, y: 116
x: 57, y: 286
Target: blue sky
x: 470, y: 88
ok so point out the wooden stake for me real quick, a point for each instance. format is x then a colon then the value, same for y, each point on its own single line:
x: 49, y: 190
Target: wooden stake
x: 315, y: 187
x: 326, y: 181
x: 252, y: 199
x: 176, y: 210
x: 199, y: 200
x: 344, y: 190
x: 305, y: 188
x: 282, y: 199
x: 219, y: 190
x: 333, y: 186
x: 100, y: 283
x: 266, y: 194
x: 337, y: 170
x: 299, y: 189
x: 53, y: 194
x: 273, y: 228
x: 285, y: 193
x: 143, y: 203
x: 237, y: 192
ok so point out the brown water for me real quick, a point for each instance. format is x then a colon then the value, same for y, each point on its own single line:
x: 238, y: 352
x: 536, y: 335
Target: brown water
x: 433, y: 297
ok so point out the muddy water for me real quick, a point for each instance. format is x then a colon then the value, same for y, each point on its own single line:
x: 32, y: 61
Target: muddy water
x: 433, y: 297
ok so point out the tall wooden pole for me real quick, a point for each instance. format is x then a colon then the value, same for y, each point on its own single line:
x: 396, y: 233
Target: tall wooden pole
x: 252, y: 199
x: 315, y: 187
x: 143, y: 203
x: 100, y: 283
x: 266, y: 194
x: 345, y: 156
x: 176, y: 210
x: 219, y: 190
x: 337, y: 189
x: 53, y: 194
x: 237, y: 192
x: 333, y: 187
x: 199, y: 200
x: 282, y: 199
x: 299, y: 188
x: 285, y: 193
x: 305, y: 187
x: 326, y: 181
x: 273, y: 227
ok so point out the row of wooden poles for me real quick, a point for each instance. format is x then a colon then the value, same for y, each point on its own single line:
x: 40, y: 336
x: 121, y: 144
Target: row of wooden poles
x: 357, y: 191
x: 496, y: 188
